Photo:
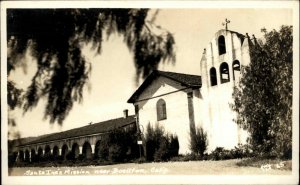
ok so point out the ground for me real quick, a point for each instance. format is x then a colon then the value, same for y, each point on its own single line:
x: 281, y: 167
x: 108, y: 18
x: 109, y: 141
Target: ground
x: 227, y: 167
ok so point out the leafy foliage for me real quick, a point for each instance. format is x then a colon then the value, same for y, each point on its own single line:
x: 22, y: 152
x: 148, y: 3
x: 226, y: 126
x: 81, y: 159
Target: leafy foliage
x: 119, y: 145
x: 167, y: 149
x: 159, y: 145
x: 115, y: 153
x: 198, y: 141
x: 14, y: 99
x: 13, y: 95
x: 153, y: 137
x: 263, y: 100
x: 55, y: 38
x: 219, y: 153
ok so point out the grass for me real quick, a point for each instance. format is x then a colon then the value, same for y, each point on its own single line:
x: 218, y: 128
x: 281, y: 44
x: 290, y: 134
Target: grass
x: 225, y: 167
x: 266, y: 163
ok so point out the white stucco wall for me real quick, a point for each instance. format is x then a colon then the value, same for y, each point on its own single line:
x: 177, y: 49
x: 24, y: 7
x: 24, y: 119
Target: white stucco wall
x: 211, y: 104
x: 219, y: 124
x: 177, y: 121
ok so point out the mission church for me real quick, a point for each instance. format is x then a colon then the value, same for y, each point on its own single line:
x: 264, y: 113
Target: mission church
x: 176, y: 101
x: 182, y: 102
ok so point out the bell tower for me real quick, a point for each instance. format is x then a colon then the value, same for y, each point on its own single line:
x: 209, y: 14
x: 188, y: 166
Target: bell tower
x: 220, y: 68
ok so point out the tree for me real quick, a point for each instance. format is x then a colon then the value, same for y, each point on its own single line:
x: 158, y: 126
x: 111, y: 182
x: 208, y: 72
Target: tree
x: 263, y: 99
x: 55, y: 38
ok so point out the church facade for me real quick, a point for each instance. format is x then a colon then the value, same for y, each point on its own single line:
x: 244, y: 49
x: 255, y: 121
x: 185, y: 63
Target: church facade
x: 181, y: 102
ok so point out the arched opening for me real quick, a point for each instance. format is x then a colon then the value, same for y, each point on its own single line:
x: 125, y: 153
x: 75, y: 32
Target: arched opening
x: 21, y: 156
x: 75, y: 151
x: 47, y: 155
x: 213, y: 76
x: 55, y: 152
x: 87, y: 150
x: 27, y: 156
x: 33, y: 155
x: 161, y: 110
x: 12, y: 159
x: 40, y: 154
x: 64, y: 152
x: 97, y: 150
x: 221, y: 45
x: 236, y: 69
x: 224, y: 72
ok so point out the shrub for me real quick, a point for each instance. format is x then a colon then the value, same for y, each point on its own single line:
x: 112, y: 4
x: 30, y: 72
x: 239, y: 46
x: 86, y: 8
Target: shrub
x: 119, y: 146
x: 162, y: 153
x: 241, y: 151
x: 160, y: 146
x: 198, y: 141
x: 216, y: 154
x: 192, y: 157
x: 12, y: 159
x: 174, y: 146
x: 116, y: 153
x: 103, y: 150
x: 153, y: 137
x: 139, y: 160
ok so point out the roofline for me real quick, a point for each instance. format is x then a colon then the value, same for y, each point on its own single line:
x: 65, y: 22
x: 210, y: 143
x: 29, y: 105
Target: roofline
x: 179, y: 81
x: 148, y: 78
x: 54, y: 140
x: 163, y: 94
x: 78, y: 136
x: 153, y: 75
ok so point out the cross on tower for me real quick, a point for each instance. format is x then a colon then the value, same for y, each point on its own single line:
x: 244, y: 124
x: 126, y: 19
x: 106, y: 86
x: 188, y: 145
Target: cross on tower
x: 227, y: 21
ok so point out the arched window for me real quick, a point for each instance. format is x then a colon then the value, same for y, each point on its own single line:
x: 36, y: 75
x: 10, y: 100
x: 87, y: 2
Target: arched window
x: 161, y: 110
x: 213, y: 76
x: 221, y: 45
x: 236, y: 69
x: 224, y: 72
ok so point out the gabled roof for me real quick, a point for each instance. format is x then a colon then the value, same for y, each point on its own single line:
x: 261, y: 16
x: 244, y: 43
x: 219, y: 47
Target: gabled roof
x: 193, y: 81
x: 96, y: 128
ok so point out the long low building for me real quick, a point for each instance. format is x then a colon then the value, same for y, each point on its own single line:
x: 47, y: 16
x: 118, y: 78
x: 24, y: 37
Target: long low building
x: 83, y: 141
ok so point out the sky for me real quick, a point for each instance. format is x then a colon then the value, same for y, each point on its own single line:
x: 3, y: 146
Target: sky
x: 112, y: 80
